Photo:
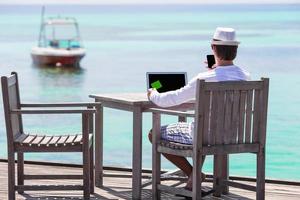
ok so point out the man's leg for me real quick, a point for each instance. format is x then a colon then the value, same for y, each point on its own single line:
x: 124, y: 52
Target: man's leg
x: 179, y: 161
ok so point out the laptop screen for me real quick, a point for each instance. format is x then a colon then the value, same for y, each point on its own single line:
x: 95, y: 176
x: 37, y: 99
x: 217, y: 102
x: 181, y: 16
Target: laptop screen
x: 166, y: 81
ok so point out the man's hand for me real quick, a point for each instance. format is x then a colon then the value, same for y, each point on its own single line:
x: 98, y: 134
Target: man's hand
x: 214, y: 66
x: 149, y: 92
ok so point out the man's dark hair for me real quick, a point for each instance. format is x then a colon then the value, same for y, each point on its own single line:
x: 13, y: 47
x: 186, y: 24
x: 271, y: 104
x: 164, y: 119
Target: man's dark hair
x: 225, y: 52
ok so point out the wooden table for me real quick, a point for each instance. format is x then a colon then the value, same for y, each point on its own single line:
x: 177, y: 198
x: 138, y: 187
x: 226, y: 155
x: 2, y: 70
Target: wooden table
x: 137, y: 103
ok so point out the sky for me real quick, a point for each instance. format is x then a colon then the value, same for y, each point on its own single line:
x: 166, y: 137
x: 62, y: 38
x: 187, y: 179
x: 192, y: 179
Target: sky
x: 145, y: 1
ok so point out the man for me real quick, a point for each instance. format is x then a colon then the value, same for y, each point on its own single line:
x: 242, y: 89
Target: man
x: 224, y: 47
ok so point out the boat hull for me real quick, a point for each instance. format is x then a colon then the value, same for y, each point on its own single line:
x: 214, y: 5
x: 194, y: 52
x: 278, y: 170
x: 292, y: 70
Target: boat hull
x: 56, y: 60
x: 56, y: 56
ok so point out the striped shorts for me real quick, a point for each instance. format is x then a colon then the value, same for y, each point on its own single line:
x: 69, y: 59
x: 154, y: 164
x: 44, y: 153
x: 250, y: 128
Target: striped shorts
x: 181, y: 132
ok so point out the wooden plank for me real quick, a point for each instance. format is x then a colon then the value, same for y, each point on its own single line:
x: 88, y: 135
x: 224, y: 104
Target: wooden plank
x: 46, y: 140
x: 242, y: 111
x: 52, y: 176
x: 261, y: 160
x: 18, y: 101
x: 14, y: 120
x: 248, y: 116
x: 78, y: 139
x: 92, y: 166
x: 20, y: 170
x: 198, y: 140
x: 227, y: 132
x: 49, y: 111
x: 220, y: 117
x: 6, y: 107
x: 233, y: 85
x: 91, y: 121
x: 256, y: 116
x: 260, y: 174
x: 99, y: 146
x: 156, y: 156
x: 11, y: 80
x: 49, y: 187
x: 213, y: 118
x: 21, y: 138
x: 235, y: 117
x: 86, y: 156
x: 62, y: 104
x: 29, y: 139
x: 49, y: 148
x: 11, y: 173
x: 37, y: 140
x: 70, y: 139
x: 137, y: 152
x: 264, y: 111
x: 184, y: 153
x: 206, y: 126
x: 171, y: 112
x: 173, y: 190
x: 239, y: 185
x: 62, y: 140
x: 54, y: 140
x: 231, y: 148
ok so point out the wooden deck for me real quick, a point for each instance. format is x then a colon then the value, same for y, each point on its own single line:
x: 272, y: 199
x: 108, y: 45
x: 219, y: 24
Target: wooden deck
x: 119, y: 187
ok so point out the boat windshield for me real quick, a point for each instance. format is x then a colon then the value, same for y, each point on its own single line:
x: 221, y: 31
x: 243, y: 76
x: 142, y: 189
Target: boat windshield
x: 60, y: 34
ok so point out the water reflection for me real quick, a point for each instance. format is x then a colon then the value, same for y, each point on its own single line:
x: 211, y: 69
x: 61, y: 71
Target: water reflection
x: 59, y: 83
x: 54, y: 70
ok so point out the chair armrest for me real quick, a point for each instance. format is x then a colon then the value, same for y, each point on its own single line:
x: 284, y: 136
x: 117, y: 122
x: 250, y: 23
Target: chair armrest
x: 68, y: 104
x: 48, y: 111
x: 171, y: 112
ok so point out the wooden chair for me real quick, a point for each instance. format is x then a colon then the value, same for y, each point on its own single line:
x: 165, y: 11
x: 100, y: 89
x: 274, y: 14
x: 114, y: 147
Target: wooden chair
x: 230, y: 118
x: 21, y: 142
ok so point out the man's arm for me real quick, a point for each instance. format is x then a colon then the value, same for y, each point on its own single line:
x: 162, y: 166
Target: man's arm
x: 173, y: 98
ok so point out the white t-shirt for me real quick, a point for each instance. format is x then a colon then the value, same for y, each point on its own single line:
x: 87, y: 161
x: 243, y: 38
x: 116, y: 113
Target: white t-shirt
x: 188, y: 92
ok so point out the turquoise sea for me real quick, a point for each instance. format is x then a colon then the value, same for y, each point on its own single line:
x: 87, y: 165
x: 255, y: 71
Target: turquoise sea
x: 124, y: 42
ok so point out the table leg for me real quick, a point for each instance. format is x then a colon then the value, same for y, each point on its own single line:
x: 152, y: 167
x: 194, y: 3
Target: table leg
x: 137, y: 153
x: 99, y: 147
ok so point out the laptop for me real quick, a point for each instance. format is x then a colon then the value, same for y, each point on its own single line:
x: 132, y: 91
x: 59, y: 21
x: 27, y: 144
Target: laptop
x: 166, y: 81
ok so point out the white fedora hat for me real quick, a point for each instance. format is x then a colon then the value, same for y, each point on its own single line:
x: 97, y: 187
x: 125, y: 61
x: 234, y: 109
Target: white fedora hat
x: 225, y: 36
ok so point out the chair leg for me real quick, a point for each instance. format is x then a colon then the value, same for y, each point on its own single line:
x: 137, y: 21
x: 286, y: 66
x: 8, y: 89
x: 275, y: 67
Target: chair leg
x: 156, y: 166
x: 225, y: 173
x: 20, y: 170
x: 260, y: 176
x: 217, y: 178
x: 11, y: 176
x: 197, y: 161
x: 156, y: 156
x: 92, y: 169
x: 86, y: 174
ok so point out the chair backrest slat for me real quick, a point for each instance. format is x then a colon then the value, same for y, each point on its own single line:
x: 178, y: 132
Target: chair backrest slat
x: 256, y: 115
x: 235, y: 116
x: 228, y: 131
x: 263, y: 111
x: 11, y: 100
x: 213, y: 118
x: 233, y: 112
x: 220, y: 116
x: 248, y: 116
x: 207, y: 106
x: 242, y: 112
